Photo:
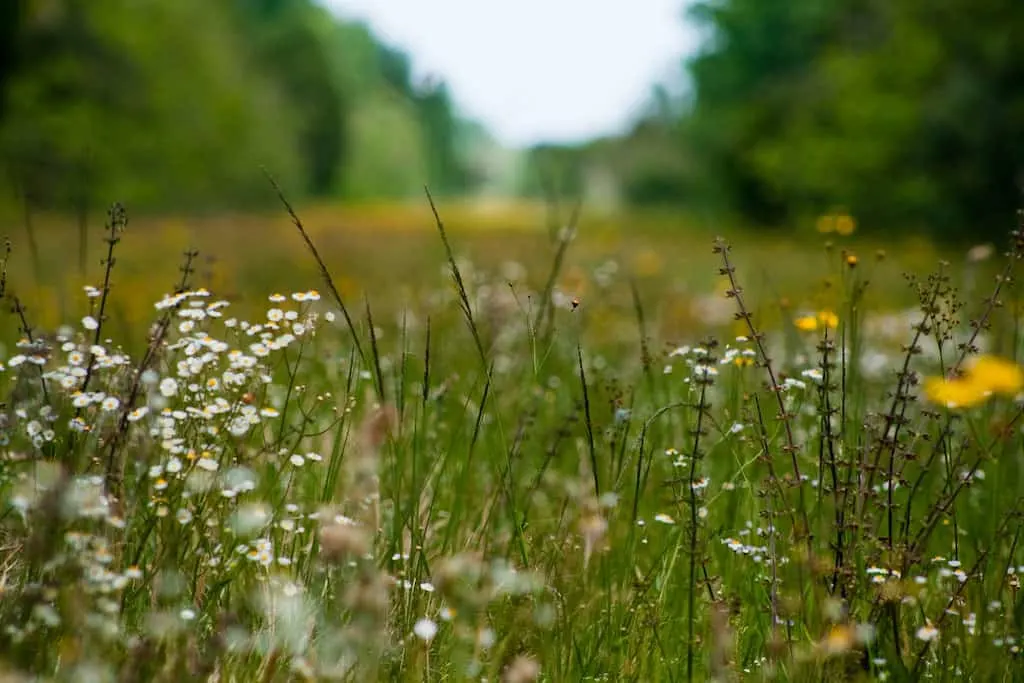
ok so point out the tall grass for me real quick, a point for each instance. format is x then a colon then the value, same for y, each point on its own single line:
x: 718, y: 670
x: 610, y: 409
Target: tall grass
x: 510, y: 483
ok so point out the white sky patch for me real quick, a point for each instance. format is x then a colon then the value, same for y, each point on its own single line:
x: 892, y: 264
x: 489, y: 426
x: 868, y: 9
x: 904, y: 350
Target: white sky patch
x: 538, y: 70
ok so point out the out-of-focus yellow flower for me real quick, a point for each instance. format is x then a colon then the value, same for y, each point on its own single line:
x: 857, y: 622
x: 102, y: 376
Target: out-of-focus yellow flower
x: 809, y: 323
x: 806, y: 323
x: 841, y: 224
x: 986, y: 376
x: 840, y: 639
x: 828, y: 319
x: 997, y: 375
x: 954, y: 393
x: 845, y: 225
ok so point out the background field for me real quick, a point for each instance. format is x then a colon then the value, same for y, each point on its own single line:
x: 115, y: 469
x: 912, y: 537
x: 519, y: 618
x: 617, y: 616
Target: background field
x: 390, y: 254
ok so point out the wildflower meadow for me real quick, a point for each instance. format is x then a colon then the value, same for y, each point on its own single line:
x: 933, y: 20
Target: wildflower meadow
x: 551, y: 462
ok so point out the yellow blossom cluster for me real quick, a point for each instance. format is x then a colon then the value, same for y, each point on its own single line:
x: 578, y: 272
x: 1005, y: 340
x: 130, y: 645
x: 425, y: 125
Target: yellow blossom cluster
x: 841, y: 224
x: 986, y: 376
x: 809, y: 323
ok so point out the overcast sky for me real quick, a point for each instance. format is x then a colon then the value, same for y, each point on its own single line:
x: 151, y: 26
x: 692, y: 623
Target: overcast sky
x: 537, y: 70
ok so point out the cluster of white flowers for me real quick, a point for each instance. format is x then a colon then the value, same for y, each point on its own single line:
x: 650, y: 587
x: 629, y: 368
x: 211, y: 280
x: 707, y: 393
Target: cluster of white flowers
x: 208, y: 390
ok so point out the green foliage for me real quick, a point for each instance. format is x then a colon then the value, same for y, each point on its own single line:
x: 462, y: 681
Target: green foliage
x: 907, y: 116
x: 553, y: 171
x: 746, y: 84
x: 128, y: 100
x: 386, y: 148
x: 904, y: 113
x: 286, y: 45
x: 147, y: 100
x: 644, y: 168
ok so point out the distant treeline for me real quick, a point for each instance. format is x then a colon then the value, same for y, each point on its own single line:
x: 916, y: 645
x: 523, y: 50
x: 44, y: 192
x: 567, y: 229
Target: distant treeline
x: 178, y: 104
x: 909, y: 114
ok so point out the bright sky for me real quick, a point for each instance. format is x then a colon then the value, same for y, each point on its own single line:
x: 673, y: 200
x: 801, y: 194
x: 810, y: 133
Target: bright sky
x: 537, y: 70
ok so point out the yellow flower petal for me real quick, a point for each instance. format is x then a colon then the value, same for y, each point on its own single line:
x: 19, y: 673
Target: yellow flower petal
x: 997, y: 375
x: 845, y: 225
x: 829, y: 319
x: 807, y: 323
x: 840, y: 639
x: 954, y: 393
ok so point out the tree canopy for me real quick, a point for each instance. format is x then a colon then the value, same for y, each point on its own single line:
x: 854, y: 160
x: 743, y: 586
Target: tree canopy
x: 179, y: 104
x: 906, y: 113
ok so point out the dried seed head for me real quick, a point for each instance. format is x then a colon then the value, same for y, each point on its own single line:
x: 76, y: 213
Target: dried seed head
x: 833, y: 610
x: 891, y: 591
x: 821, y: 565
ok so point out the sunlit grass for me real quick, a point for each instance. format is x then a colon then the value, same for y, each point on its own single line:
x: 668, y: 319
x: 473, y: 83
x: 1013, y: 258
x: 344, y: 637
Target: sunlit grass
x: 388, y: 253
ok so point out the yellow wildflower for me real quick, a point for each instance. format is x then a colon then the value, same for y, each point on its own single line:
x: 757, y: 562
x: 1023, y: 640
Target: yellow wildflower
x: 845, y: 225
x: 987, y: 375
x: 997, y: 375
x: 806, y: 323
x: 954, y: 393
x: 809, y: 323
x: 839, y: 639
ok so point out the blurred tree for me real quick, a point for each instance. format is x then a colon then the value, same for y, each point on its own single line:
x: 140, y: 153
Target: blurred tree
x: 554, y: 172
x: 12, y: 14
x: 447, y: 170
x: 923, y: 124
x: 905, y: 112
x: 746, y: 84
x: 395, y: 69
x: 435, y: 114
x: 653, y: 169
x: 287, y: 46
x: 178, y: 105
x: 387, y: 148
x: 151, y: 99
x: 61, y: 45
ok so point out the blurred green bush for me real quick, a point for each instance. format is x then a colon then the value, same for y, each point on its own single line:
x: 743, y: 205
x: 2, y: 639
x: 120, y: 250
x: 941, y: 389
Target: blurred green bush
x: 178, y: 104
x: 907, y: 114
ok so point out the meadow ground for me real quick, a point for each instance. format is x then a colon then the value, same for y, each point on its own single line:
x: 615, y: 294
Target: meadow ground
x: 507, y: 451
